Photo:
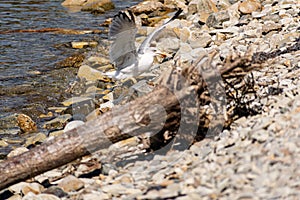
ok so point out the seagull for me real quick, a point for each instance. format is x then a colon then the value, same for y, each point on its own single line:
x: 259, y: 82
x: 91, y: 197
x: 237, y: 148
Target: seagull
x: 123, y: 54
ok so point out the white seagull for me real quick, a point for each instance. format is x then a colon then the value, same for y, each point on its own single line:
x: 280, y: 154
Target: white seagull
x: 128, y: 60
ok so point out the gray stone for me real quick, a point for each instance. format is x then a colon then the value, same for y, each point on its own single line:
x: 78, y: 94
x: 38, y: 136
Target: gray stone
x: 216, y: 20
x: 59, y: 122
x: 71, y: 183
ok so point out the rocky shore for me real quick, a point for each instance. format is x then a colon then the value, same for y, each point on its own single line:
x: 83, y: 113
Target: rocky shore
x: 256, y: 157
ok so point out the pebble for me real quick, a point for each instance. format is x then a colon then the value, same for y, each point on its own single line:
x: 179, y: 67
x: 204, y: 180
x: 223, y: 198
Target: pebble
x: 35, y: 139
x: 71, y: 183
x: 249, y: 6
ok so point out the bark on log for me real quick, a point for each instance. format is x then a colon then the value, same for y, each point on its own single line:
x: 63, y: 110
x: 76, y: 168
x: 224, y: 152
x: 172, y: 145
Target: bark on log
x: 123, y: 122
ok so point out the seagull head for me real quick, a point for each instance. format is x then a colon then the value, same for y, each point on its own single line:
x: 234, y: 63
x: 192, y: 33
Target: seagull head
x: 151, y: 51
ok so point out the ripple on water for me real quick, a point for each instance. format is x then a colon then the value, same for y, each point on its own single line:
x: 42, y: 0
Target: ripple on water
x: 23, y: 54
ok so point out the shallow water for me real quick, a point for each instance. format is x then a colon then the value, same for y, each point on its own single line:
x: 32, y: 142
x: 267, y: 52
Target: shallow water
x: 29, y: 81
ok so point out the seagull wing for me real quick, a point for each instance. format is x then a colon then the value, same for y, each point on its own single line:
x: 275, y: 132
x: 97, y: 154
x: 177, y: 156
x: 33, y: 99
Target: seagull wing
x: 123, y: 30
x: 146, y: 43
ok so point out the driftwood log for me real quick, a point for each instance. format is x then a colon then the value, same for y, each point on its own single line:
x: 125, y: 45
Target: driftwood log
x: 134, y: 118
x: 175, y: 95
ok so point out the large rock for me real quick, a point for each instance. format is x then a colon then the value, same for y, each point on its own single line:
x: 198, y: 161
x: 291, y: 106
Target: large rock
x: 90, y: 5
x: 73, y: 2
x: 98, y: 6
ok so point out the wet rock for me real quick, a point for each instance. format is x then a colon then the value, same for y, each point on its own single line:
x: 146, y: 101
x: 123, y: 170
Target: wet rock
x: 74, y: 2
x: 91, y: 74
x: 17, y: 151
x: 3, y: 143
x: 58, y: 123
x: 98, y: 6
x: 17, y: 123
x: 249, y: 6
x: 80, y: 45
x: 57, y: 109
x: 8, y: 124
x: 56, y: 133
x: 72, y: 61
x: 48, y: 115
x: 81, y: 108
x: 71, y: 183
x: 74, y: 100
x: 35, y: 139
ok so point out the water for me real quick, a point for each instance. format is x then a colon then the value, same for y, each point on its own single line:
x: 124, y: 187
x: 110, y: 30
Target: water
x: 29, y: 81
